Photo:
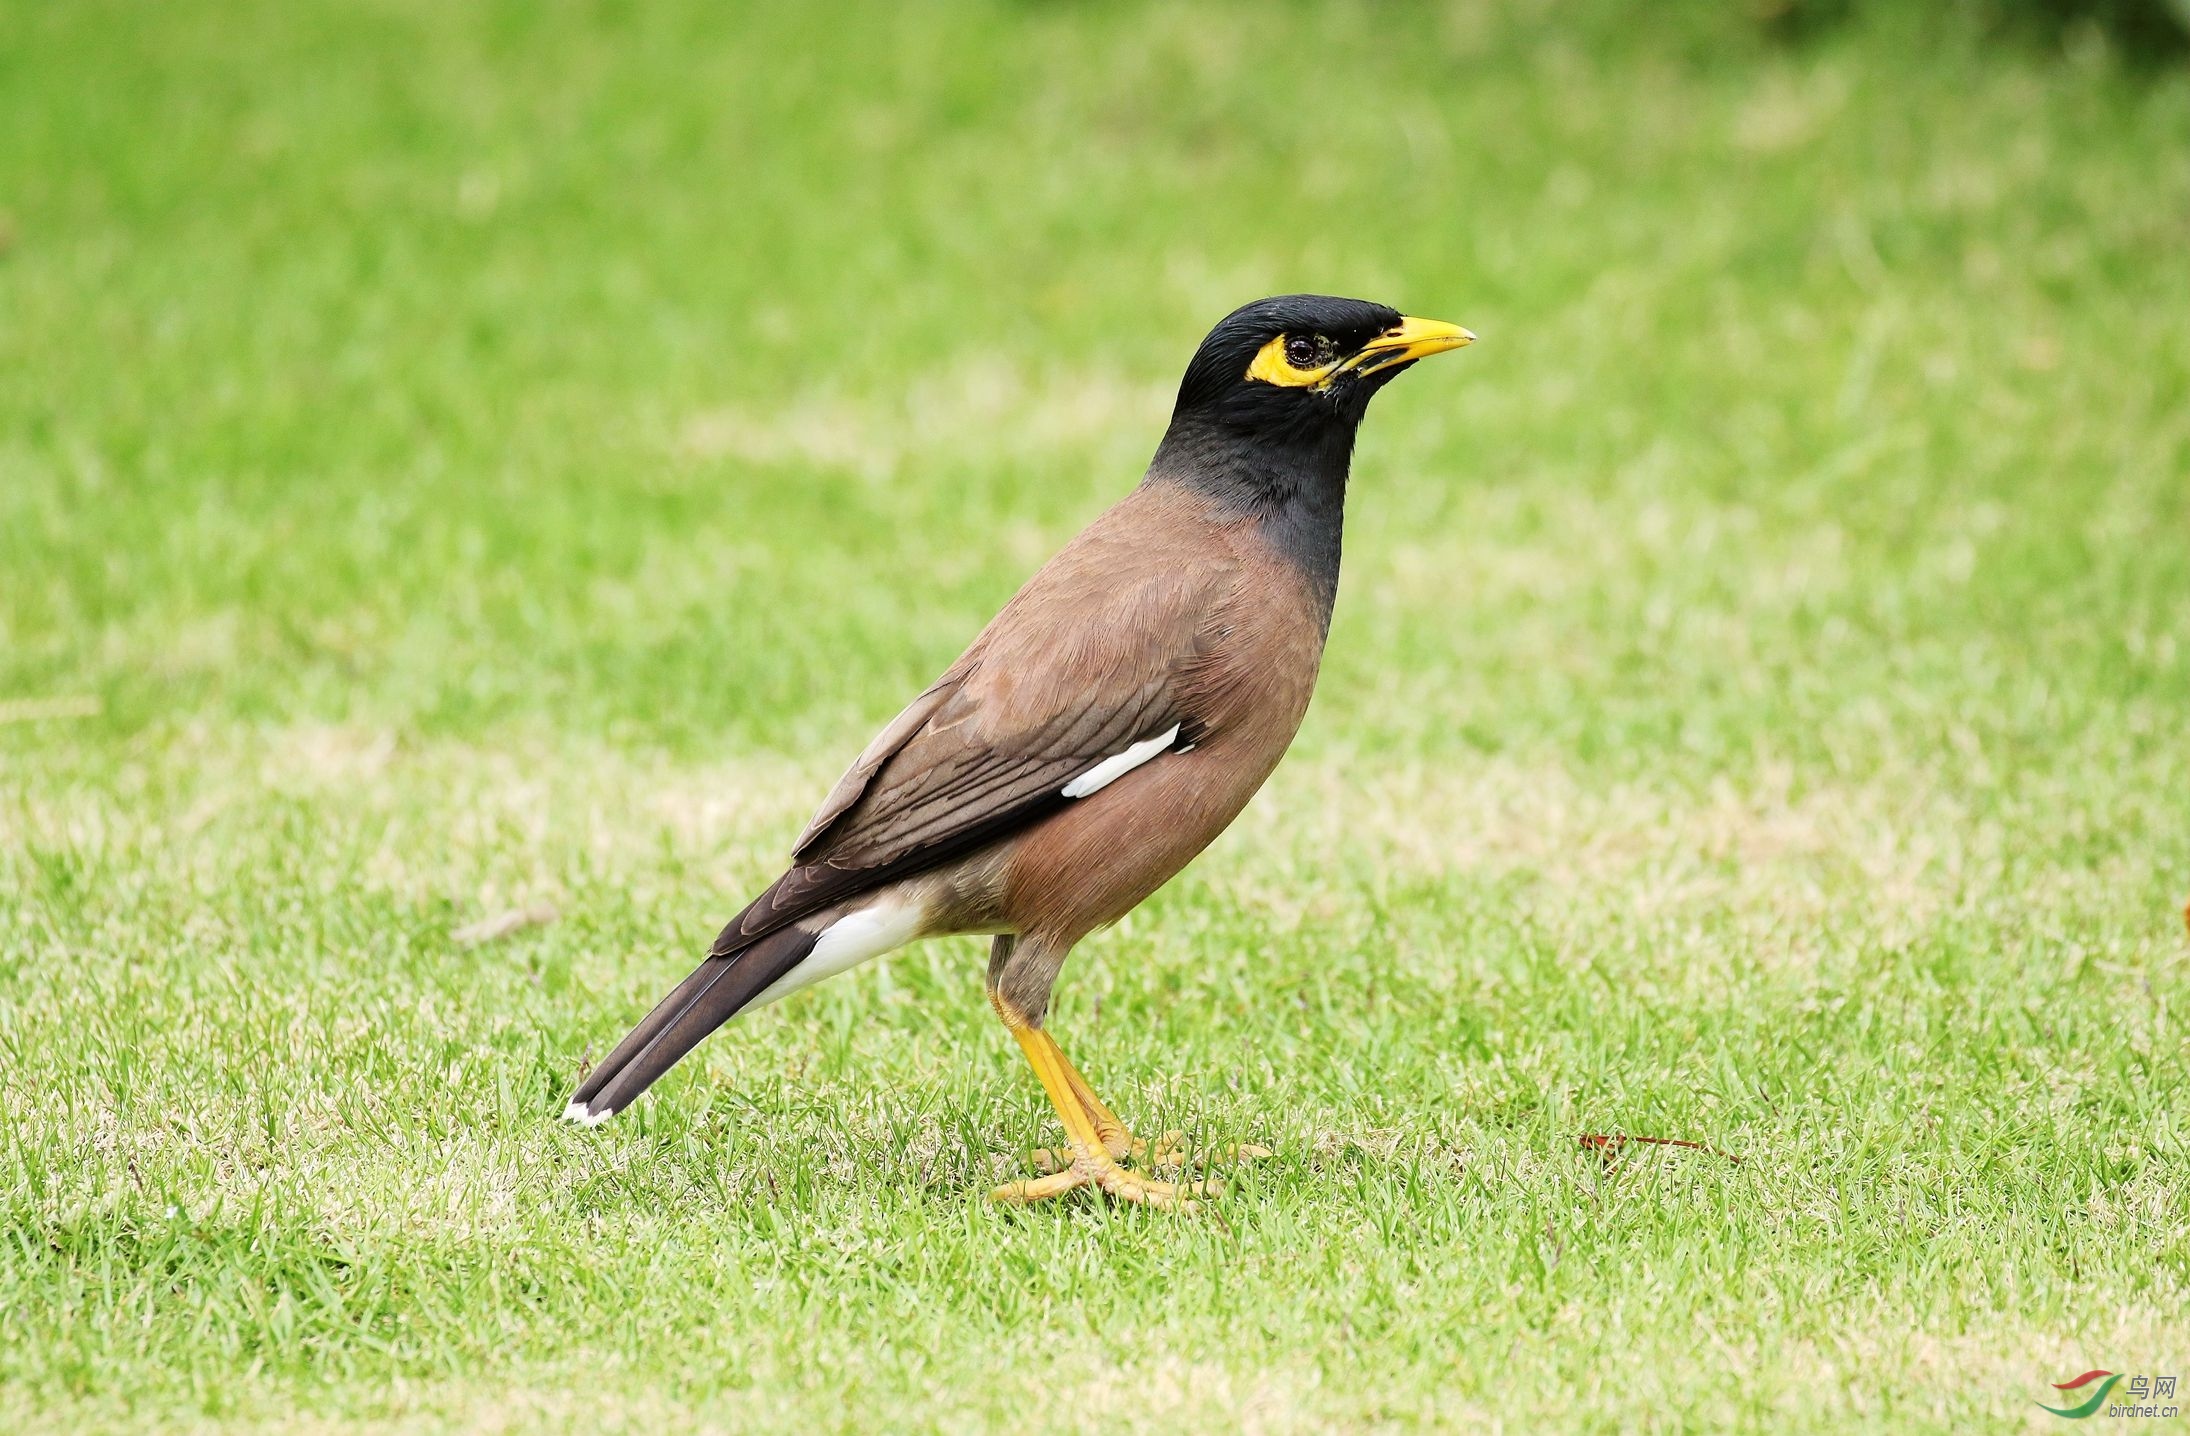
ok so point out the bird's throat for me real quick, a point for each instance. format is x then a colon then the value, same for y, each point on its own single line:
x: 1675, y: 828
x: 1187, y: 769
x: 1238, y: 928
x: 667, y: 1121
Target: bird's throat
x: 1293, y: 489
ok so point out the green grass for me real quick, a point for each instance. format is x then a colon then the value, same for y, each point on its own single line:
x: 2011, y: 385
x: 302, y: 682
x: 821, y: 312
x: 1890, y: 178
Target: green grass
x: 453, y: 458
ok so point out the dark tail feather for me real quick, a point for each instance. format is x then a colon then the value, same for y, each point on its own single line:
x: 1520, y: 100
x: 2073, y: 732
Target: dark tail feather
x: 707, y: 999
x: 664, y: 1013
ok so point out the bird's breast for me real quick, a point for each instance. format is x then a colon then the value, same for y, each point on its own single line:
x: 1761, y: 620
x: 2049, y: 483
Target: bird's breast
x: 1245, y: 694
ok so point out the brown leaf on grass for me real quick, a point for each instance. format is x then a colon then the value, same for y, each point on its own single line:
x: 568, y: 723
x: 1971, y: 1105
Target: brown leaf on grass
x: 1609, y: 1144
x: 502, y: 924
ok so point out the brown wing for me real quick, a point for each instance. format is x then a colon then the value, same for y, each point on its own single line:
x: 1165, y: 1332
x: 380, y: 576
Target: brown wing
x: 884, y: 747
x: 1086, y: 661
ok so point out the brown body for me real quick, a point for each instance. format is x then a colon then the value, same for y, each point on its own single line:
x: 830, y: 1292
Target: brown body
x: 1178, y: 599
x: 1261, y: 632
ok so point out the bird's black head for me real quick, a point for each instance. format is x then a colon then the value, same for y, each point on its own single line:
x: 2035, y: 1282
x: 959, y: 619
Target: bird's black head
x: 1305, y: 362
x: 1279, y: 386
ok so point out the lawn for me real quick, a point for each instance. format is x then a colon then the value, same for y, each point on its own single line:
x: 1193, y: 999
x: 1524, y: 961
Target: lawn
x: 464, y: 458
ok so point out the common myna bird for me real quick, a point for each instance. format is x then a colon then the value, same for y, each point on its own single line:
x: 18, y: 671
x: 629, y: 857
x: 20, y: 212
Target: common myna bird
x: 1100, y: 732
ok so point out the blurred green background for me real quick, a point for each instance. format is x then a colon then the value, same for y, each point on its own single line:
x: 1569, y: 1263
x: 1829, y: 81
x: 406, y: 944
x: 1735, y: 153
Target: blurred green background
x: 464, y: 457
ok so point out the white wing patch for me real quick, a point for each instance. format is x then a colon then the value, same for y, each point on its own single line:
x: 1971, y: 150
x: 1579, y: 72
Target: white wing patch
x: 1117, y: 765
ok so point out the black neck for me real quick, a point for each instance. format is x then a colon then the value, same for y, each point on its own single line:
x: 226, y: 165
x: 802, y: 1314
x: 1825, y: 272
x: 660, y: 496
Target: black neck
x: 1292, y: 485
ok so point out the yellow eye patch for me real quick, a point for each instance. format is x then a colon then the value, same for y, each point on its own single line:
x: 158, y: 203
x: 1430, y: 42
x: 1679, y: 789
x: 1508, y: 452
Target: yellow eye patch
x: 1273, y: 366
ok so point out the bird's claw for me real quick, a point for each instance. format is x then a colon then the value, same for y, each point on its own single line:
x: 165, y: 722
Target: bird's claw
x: 1098, y: 1169
x: 1169, y: 1150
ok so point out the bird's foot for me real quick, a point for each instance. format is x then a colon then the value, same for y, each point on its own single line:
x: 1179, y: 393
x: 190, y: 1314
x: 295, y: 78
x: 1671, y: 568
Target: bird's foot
x: 1096, y: 1168
x: 1097, y: 1143
x: 1169, y: 1150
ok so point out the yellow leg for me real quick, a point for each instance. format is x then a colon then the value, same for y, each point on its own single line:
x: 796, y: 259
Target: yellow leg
x: 1092, y: 1162
x: 1117, y: 1141
x: 1169, y: 1150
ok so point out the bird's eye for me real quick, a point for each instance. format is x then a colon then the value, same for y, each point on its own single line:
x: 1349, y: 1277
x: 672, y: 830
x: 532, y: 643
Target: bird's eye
x: 1300, y: 351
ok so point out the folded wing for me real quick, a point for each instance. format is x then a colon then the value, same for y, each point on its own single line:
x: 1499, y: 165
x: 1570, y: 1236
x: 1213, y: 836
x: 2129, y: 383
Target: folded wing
x: 1087, y: 667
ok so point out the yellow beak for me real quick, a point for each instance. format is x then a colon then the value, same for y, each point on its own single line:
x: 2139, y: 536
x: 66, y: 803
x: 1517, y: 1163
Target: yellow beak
x: 1408, y: 340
